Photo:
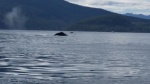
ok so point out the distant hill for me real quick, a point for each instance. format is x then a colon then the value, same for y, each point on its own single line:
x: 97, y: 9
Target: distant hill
x: 62, y: 15
x: 138, y: 15
x: 43, y: 14
x: 112, y: 23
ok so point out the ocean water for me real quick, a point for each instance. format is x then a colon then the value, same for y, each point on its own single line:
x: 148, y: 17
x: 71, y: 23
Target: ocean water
x: 39, y: 57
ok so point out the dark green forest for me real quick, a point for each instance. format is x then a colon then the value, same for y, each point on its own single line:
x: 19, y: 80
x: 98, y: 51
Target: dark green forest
x: 112, y: 23
x: 62, y: 15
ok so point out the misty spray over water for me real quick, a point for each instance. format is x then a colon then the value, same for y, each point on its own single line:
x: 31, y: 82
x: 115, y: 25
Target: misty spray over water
x: 15, y: 19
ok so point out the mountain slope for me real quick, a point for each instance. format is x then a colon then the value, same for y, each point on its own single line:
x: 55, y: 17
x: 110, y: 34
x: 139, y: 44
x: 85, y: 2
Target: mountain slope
x: 138, y: 15
x: 62, y: 15
x: 47, y: 14
x: 114, y: 22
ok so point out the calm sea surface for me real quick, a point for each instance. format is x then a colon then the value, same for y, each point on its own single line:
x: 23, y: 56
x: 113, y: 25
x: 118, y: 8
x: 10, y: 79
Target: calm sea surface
x: 39, y: 57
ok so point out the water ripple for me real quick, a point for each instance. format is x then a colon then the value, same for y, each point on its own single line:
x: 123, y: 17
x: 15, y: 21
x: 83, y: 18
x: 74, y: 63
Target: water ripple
x: 105, y: 56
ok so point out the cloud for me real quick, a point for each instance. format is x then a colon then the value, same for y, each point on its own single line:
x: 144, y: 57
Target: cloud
x: 119, y: 6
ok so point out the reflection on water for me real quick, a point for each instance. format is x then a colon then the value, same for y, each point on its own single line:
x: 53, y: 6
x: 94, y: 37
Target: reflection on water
x: 89, y: 57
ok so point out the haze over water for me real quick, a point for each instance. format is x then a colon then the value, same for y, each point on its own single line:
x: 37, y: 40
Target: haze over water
x: 39, y: 57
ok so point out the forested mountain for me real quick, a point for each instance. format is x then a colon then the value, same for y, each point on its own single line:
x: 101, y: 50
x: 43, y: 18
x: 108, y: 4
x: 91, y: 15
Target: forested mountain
x: 62, y: 15
x: 45, y: 14
x: 112, y: 23
x: 138, y: 15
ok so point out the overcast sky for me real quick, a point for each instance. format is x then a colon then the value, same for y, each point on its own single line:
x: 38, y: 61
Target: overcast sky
x: 119, y: 6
